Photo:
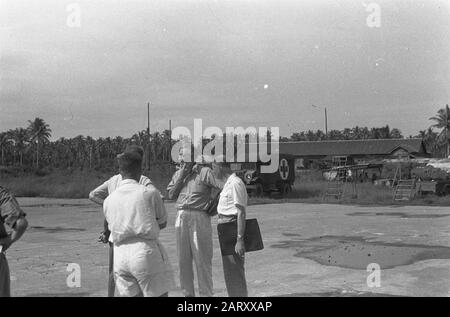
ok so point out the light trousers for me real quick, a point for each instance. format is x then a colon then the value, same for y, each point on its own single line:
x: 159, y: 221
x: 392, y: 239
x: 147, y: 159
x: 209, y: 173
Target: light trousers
x: 194, y: 244
x: 142, y: 268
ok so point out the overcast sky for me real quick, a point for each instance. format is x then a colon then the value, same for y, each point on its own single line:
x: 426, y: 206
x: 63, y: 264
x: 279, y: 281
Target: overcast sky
x: 231, y: 63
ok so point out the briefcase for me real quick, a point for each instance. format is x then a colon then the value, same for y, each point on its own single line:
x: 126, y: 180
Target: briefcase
x: 228, y: 236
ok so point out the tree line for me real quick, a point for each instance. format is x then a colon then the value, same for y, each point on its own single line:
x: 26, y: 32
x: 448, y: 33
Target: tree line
x: 436, y: 142
x: 31, y: 148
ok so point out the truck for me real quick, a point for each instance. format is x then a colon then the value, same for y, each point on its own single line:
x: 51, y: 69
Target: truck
x: 437, y: 187
x: 258, y: 184
x: 431, y: 180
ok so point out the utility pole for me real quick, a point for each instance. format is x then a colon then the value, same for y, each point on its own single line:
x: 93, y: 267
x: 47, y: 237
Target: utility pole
x: 148, y: 120
x: 148, y: 135
x: 446, y: 132
x: 170, y: 141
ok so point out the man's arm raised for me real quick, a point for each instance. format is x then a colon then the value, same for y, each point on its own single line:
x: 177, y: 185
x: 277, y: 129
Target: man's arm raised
x: 99, y: 194
x: 176, y: 184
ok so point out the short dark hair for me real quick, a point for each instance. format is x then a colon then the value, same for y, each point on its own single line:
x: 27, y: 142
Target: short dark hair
x: 130, y: 162
x: 135, y: 148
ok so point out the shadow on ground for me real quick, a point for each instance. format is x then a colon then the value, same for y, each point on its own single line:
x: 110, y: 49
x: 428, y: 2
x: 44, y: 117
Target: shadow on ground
x: 338, y: 294
x: 358, y: 252
x: 398, y: 214
x: 53, y: 205
x: 55, y: 229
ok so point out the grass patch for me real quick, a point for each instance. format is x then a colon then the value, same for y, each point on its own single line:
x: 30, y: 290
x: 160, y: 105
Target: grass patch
x: 313, y: 191
x: 66, y: 184
x: 78, y: 184
x: 57, y: 185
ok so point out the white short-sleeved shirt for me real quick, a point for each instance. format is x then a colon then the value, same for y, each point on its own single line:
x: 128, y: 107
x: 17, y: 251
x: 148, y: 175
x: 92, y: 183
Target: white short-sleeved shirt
x: 101, y: 192
x: 233, y: 193
x: 114, y: 182
x: 134, y: 211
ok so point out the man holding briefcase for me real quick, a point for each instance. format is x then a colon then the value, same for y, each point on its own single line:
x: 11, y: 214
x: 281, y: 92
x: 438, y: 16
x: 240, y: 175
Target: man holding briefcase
x: 231, y: 208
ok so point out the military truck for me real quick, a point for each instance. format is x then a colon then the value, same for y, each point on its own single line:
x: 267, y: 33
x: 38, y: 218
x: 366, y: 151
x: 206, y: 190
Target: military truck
x: 258, y: 183
x: 431, y: 180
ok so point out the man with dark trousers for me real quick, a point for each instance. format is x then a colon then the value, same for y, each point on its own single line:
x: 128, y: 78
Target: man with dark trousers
x: 232, y: 208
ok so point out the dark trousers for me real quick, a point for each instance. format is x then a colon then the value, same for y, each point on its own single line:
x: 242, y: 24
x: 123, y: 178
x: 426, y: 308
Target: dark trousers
x: 233, y: 269
x: 5, y: 282
x: 234, y: 272
x: 111, y: 283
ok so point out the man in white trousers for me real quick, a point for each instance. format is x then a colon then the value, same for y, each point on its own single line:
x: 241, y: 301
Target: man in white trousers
x: 135, y: 215
x: 99, y: 194
x: 192, y: 186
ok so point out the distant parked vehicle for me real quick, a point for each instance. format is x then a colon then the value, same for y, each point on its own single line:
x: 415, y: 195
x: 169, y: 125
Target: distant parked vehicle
x: 258, y: 183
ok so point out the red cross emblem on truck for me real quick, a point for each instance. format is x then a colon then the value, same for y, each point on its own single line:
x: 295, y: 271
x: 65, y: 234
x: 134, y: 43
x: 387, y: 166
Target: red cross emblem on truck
x: 284, y: 169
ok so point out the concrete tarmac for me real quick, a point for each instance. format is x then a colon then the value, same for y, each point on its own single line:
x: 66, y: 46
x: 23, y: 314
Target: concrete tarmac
x: 310, y: 250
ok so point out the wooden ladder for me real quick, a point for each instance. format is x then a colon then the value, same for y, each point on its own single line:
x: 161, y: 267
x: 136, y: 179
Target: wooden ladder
x: 404, y: 190
x: 397, y: 176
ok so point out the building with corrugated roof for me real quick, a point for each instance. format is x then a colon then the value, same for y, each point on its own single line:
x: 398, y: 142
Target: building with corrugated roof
x: 353, y: 151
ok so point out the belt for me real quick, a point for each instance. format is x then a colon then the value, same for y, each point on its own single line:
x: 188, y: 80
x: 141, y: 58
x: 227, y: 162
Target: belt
x: 191, y: 209
x: 227, y: 218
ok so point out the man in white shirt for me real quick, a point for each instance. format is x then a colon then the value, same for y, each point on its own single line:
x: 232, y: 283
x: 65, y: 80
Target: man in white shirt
x: 135, y: 215
x: 99, y: 194
x: 231, y: 207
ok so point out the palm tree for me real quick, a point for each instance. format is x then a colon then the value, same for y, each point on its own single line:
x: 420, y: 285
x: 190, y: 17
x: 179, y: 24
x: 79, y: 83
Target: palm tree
x: 90, y: 142
x: 375, y: 133
x: 78, y: 149
x: 166, y: 145
x: 298, y: 136
x: 365, y: 133
x: 4, y: 143
x: 320, y: 135
x: 347, y: 134
x: 310, y: 135
x: 40, y: 133
x: 429, y: 137
x: 442, y: 121
x: 20, y: 139
x: 155, y: 146
x: 395, y: 134
x: 334, y: 135
x: 356, y: 133
x: 385, y: 132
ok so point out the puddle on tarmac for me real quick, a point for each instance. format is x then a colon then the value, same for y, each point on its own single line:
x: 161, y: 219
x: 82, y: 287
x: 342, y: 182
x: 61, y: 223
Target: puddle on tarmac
x: 358, y: 253
x: 55, y: 229
x: 398, y: 214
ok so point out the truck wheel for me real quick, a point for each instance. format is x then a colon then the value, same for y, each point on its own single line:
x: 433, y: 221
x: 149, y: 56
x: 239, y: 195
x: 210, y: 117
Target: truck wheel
x: 258, y: 192
x: 285, y: 189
